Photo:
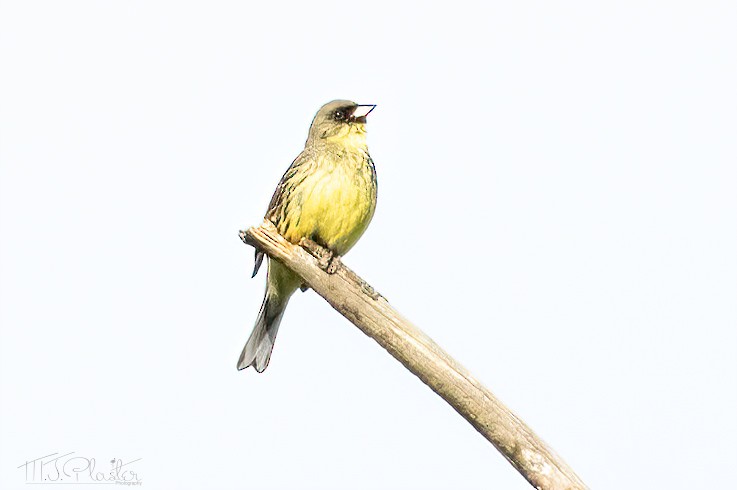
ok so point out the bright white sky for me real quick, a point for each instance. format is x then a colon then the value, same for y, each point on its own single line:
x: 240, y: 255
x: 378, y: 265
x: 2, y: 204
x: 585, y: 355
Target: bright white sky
x: 557, y: 209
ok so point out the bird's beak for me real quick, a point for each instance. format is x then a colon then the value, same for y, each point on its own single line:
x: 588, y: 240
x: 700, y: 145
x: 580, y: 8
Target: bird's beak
x: 361, y: 111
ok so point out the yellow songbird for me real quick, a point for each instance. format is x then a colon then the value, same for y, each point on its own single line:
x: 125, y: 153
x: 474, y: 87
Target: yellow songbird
x: 327, y: 195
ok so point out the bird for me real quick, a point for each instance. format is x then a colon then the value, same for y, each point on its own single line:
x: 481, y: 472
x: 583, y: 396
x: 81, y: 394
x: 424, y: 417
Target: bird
x: 328, y: 196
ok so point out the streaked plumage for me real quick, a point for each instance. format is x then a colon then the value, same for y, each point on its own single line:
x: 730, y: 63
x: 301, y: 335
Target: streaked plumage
x: 328, y: 195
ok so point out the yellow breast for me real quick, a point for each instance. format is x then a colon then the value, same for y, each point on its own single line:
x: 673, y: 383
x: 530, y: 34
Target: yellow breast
x: 334, y: 202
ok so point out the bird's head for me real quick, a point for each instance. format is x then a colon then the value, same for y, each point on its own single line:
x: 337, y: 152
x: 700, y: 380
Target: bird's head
x: 340, y: 122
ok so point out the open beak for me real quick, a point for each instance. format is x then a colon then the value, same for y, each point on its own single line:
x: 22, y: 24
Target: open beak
x: 361, y: 111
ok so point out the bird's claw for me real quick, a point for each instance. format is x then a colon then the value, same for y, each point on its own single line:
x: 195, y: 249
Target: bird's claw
x: 333, y: 264
x: 326, y: 259
x: 313, y: 248
x: 329, y: 262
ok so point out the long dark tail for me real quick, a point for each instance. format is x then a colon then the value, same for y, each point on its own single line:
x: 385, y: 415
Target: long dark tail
x: 258, y: 349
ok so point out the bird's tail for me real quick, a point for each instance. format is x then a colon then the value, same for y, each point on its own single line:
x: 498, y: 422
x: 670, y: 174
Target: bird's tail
x: 257, y: 351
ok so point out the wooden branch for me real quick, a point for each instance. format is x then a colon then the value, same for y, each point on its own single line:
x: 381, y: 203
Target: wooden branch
x: 370, y: 312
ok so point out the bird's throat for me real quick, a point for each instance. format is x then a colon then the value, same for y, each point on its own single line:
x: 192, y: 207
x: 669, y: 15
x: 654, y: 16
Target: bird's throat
x: 352, y: 140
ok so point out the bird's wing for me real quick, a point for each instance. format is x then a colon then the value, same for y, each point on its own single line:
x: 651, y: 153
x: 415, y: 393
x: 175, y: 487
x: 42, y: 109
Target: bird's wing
x: 291, y: 178
x: 277, y: 206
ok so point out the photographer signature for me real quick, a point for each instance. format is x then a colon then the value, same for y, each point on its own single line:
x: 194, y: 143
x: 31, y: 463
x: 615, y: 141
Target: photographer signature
x: 70, y: 468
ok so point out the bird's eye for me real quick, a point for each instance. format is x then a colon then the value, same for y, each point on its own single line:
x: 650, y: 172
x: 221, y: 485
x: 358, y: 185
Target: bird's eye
x: 339, y: 115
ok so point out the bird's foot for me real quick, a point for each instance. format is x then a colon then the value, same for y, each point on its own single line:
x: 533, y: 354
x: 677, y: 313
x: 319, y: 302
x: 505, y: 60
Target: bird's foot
x: 313, y: 248
x: 326, y: 259
x: 333, y: 264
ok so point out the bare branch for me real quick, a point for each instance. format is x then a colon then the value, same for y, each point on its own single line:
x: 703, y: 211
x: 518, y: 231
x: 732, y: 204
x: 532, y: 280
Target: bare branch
x: 371, y: 313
